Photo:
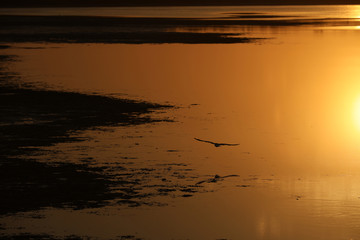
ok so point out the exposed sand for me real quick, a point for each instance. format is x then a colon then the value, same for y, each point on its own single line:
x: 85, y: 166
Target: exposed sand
x: 140, y: 30
x: 33, y: 118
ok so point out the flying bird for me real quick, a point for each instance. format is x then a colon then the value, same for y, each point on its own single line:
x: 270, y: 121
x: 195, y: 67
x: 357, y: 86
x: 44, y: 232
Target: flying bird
x: 216, y: 144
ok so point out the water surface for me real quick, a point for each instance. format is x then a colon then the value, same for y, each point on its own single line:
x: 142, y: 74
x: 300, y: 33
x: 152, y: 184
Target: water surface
x: 291, y: 101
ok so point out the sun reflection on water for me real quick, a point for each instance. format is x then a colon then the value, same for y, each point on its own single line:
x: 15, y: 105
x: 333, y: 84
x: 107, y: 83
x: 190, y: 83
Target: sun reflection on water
x: 357, y: 113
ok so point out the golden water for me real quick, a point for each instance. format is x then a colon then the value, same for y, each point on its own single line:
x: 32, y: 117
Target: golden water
x: 290, y: 101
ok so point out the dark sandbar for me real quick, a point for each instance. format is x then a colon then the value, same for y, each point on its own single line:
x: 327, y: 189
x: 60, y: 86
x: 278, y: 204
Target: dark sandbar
x: 140, y: 30
x: 33, y: 118
x: 79, y: 29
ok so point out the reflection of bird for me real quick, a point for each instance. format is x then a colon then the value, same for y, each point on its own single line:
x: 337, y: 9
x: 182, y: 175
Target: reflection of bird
x: 216, y: 178
x: 216, y: 144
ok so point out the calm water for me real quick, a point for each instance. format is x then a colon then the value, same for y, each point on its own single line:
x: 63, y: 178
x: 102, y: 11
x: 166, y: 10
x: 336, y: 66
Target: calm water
x: 292, y: 102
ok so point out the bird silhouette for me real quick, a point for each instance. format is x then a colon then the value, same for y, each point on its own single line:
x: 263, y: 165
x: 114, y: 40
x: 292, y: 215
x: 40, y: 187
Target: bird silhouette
x: 216, y: 144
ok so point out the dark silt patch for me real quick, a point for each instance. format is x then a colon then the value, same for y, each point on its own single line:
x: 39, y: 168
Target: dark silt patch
x: 4, y: 47
x: 37, y: 237
x: 30, y: 185
x: 67, y: 237
x: 33, y: 118
x: 148, y: 30
x: 80, y: 29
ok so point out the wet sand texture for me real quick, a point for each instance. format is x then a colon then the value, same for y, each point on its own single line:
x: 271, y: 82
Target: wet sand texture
x: 141, y: 30
x: 71, y: 29
x: 32, y: 118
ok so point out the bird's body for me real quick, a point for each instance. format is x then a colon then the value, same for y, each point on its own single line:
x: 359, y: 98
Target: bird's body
x: 216, y: 144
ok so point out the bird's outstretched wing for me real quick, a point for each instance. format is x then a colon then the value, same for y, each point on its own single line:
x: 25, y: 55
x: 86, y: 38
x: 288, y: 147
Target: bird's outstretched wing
x: 228, y: 144
x: 197, y: 139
